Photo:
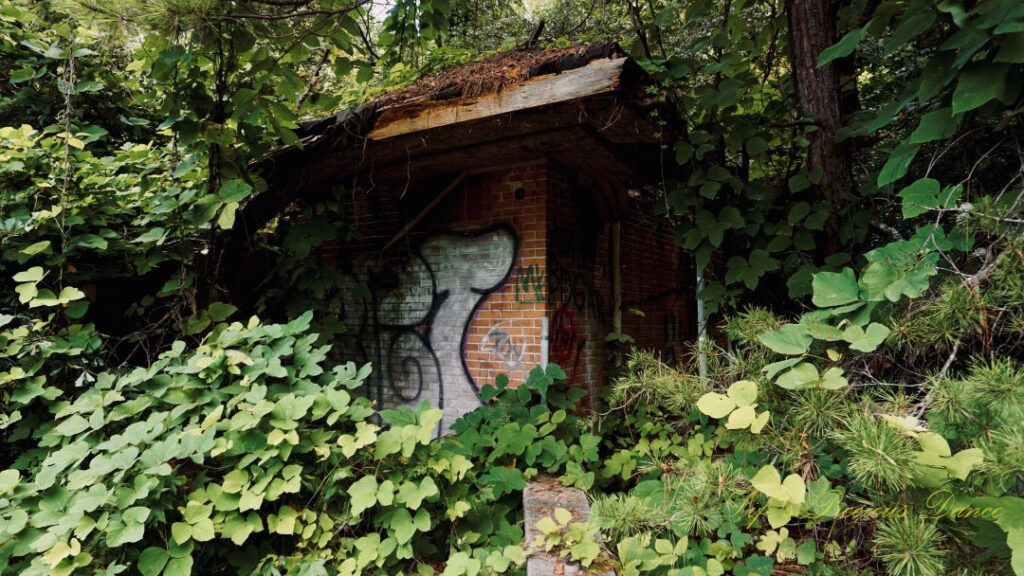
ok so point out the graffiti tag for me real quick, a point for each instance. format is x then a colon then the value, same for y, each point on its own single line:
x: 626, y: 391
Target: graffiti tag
x: 529, y: 284
x: 501, y: 343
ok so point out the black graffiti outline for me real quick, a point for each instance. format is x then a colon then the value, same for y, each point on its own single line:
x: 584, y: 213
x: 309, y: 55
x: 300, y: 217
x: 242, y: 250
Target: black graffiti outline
x: 422, y: 329
x: 485, y: 294
x: 574, y: 287
x: 398, y: 331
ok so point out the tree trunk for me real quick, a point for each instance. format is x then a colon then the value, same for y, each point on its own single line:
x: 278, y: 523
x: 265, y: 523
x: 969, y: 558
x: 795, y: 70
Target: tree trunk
x: 819, y: 95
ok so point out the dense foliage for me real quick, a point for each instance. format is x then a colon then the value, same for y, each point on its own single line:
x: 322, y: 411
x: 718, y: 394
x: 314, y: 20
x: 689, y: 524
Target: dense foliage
x: 245, y: 455
x: 861, y: 411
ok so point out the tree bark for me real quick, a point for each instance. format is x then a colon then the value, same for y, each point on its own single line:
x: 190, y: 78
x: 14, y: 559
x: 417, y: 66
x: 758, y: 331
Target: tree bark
x: 812, y: 28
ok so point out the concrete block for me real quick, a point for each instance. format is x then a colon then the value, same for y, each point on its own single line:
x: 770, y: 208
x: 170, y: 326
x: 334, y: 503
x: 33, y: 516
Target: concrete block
x: 540, y: 498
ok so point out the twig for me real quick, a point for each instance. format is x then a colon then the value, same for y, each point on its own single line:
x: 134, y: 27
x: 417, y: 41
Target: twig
x: 299, y: 14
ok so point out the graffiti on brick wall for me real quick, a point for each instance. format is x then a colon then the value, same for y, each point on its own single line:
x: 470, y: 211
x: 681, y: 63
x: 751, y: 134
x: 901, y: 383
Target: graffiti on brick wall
x: 500, y: 343
x: 567, y: 342
x: 529, y: 284
x: 575, y: 288
x: 411, y: 318
x: 572, y: 268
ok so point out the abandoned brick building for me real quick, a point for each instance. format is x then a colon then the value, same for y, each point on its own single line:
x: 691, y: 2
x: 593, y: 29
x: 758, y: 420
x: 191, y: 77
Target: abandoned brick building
x: 500, y: 223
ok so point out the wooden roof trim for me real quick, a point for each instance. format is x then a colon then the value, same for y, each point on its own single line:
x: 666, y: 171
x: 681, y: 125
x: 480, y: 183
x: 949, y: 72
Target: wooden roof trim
x: 597, y: 77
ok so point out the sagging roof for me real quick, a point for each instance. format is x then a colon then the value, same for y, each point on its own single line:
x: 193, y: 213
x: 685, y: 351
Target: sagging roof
x: 588, y: 107
x: 487, y: 76
x: 594, y: 87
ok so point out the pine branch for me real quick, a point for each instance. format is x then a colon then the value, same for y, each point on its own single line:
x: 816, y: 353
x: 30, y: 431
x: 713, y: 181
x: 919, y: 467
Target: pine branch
x: 300, y: 14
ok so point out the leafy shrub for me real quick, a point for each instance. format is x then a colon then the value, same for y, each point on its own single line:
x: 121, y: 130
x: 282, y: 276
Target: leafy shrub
x: 245, y: 455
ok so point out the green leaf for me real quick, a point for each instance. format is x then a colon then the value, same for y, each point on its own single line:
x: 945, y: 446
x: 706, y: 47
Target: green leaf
x: 760, y: 422
x: 897, y: 164
x: 798, y: 212
x: 743, y: 392
x: 775, y: 367
x: 979, y: 83
x: 363, y: 493
x: 741, y: 418
x: 401, y: 523
x: 936, y: 125
x: 71, y: 426
x: 914, y: 23
x: 806, y: 553
x: 234, y: 191
x: 220, y: 311
x: 33, y: 274
x: 181, y: 532
x: 710, y: 189
x: 412, y: 494
x: 227, y: 215
x: 756, y: 146
x: 799, y: 182
x: 684, y: 151
x: 920, y: 197
x: 833, y: 379
x: 36, y: 248
x: 90, y: 241
x: 249, y: 501
x: 730, y: 217
x: 1011, y: 49
x: 234, y: 481
x: 801, y: 376
x: 792, y: 490
x: 846, y: 45
x: 961, y: 463
x: 26, y: 292
x: 179, y: 567
x: 461, y: 563
x: 155, y: 234
x: 835, y: 289
x: 152, y: 561
x: 547, y: 525
x: 70, y: 294
x: 286, y: 518
x: 715, y: 405
x: 767, y: 480
x: 202, y: 531
x: 503, y: 480
x: 121, y: 533
x: 21, y: 75
x: 866, y: 340
x: 9, y: 479
x: 791, y: 339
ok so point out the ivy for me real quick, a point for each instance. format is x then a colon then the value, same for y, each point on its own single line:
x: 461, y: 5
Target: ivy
x: 246, y: 438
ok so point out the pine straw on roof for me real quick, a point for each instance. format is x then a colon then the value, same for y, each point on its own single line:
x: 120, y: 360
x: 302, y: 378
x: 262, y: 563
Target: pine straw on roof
x: 486, y: 76
x: 492, y: 74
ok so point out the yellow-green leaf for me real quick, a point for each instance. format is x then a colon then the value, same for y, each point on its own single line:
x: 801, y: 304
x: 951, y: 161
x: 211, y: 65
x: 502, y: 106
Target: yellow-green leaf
x: 715, y: 405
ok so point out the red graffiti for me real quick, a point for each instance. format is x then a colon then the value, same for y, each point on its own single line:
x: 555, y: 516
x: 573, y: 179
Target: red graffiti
x: 566, y: 342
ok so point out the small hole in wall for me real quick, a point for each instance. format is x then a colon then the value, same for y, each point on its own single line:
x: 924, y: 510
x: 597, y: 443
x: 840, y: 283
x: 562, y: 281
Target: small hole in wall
x: 519, y: 193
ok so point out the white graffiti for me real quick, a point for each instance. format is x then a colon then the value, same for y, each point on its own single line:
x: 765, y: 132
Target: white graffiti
x: 499, y: 342
x: 414, y: 324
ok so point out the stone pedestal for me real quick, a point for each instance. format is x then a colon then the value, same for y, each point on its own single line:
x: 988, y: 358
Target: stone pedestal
x: 540, y: 498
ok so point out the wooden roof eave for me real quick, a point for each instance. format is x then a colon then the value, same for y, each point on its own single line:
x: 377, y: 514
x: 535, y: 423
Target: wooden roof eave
x: 418, y: 140
x: 598, y: 77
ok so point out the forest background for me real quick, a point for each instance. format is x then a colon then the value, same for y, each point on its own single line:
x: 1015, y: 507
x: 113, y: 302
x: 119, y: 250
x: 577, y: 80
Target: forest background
x: 852, y: 193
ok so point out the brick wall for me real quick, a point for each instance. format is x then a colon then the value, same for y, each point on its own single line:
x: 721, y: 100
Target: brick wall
x: 579, y: 283
x: 451, y: 305
x: 658, y: 300
x: 467, y: 294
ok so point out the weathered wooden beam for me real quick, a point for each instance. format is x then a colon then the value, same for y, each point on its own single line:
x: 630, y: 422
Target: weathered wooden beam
x: 426, y: 210
x: 595, y: 78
